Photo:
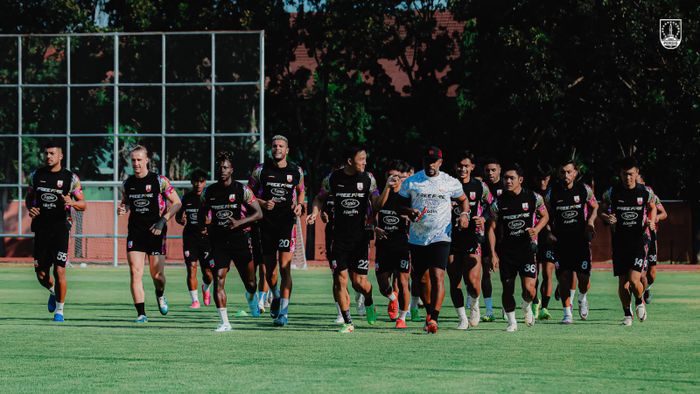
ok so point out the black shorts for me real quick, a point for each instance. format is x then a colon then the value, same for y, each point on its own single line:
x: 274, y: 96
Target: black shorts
x: 464, y: 259
x: 278, y: 237
x: 223, y: 252
x: 652, y: 253
x: 350, y: 256
x: 573, y: 255
x: 147, y: 242
x: 435, y: 255
x: 256, y: 244
x: 196, y: 248
x: 629, y: 256
x: 392, y: 260
x: 513, y: 263
x: 51, y: 247
x: 465, y: 241
x: 546, y: 254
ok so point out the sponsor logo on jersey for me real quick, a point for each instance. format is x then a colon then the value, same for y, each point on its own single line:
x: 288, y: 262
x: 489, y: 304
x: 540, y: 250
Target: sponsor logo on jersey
x: 516, y: 224
x: 148, y: 188
x: 629, y: 215
x: 224, y: 214
x: 350, y: 203
x: 577, y: 199
x: 360, y: 186
x: 232, y: 197
x: 526, y: 206
x: 49, y: 197
x: 59, y: 183
x: 569, y: 214
x: 278, y: 192
x: 141, y: 203
x: 390, y: 220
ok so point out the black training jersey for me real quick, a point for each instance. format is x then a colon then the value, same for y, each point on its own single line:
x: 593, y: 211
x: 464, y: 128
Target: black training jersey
x: 394, y: 225
x: 269, y: 182
x: 146, y: 198
x: 630, y: 209
x: 515, y: 213
x: 496, y: 189
x: 223, y: 203
x: 191, y: 203
x: 479, y: 197
x: 48, y: 189
x: 569, y: 208
x: 351, y: 198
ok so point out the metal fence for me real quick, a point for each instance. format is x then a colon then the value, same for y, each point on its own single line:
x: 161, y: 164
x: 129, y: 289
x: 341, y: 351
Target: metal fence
x: 169, y: 136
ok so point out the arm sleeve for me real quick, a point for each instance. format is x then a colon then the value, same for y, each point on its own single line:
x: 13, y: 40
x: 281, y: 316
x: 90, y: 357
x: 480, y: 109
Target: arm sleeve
x: 540, y: 208
x: 75, y: 187
x: 254, y: 180
x: 373, y: 190
x: 165, y: 187
x: 248, y: 195
x: 590, y: 197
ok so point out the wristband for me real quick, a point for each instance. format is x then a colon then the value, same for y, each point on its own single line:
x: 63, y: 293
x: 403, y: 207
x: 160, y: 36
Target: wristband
x: 160, y: 223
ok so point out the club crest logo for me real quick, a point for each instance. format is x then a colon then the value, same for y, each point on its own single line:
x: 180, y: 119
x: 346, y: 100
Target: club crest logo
x: 472, y: 195
x: 499, y: 192
x: 130, y: 244
x: 360, y: 186
x: 640, y: 200
x: 577, y: 199
x: 59, y: 183
x: 289, y: 178
x: 187, y: 253
x: 670, y: 33
x: 232, y: 197
x: 148, y: 188
x: 526, y: 206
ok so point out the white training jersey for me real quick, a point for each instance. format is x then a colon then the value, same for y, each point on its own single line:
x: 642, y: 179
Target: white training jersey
x: 431, y: 195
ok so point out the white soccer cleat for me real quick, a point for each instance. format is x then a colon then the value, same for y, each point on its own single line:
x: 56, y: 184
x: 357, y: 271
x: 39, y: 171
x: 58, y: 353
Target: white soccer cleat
x: 529, y: 316
x: 223, y: 327
x: 627, y: 321
x: 463, y: 325
x: 339, y: 320
x: 641, y: 312
x: 583, y: 309
x: 512, y: 327
x: 568, y: 319
x: 474, y: 315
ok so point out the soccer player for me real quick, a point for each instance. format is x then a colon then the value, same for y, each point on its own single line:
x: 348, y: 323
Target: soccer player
x: 392, y: 253
x: 430, y: 193
x: 233, y: 207
x: 649, y: 277
x: 195, y: 245
x: 629, y: 208
x: 546, y: 259
x: 492, y: 173
x: 52, y: 192
x: 151, y: 201
x: 279, y: 188
x: 517, y: 216
x: 573, y: 209
x: 354, y: 192
x: 465, y: 251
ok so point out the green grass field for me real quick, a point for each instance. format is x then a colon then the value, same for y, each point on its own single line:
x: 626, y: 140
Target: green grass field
x: 98, y: 349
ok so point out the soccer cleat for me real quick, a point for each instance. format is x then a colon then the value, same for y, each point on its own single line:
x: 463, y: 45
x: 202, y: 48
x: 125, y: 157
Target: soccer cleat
x: 223, y: 327
x: 195, y: 305
x: 207, y: 297
x: 58, y: 318
x: 474, y: 315
x: 280, y: 321
x: 529, y: 316
x: 339, y: 319
x: 583, y: 309
x: 463, y: 324
x: 627, y: 321
x: 512, y: 327
x: 371, y: 315
x: 241, y: 313
x: 544, y: 314
x: 141, y: 319
x: 431, y: 327
x: 253, y: 307
x: 400, y: 324
x: 538, y: 308
x: 488, y: 317
x: 393, y: 309
x: 415, y: 314
x: 163, y: 305
x: 346, y: 329
x: 52, y: 303
x: 641, y: 312
x: 567, y: 319
x: 360, y: 299
x: 647, y: 296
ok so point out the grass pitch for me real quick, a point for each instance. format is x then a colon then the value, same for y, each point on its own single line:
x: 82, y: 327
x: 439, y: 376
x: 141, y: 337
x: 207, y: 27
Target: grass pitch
x: 99, y: 349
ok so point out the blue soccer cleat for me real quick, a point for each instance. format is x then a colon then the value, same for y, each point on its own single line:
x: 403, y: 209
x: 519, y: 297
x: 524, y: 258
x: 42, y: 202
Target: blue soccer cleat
x: 281, y: 321
x: 163, y: 306
x: 52, y: 303
x: 141, y: 319
x: 58, y: 318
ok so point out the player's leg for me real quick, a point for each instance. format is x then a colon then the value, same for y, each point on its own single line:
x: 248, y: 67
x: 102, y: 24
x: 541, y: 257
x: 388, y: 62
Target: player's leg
x: 418, y: 271
x: 285, y: 287
x: 269, y: 281
x: 157, y: 268
x: 136, y: 261
x: 191, y: 268
x: 207, y: 276
x: 219, y: 276
x: 508, y: 276
x: 623, y: 292
x: 361, y: 284
x: 637, y: 291
x: 403, y: 282
x: 384, y: 282
x: 340, y: 292
x: 528, y: 281
x: 455, y: 273
x: 61, y: 286
x: 246, y: 271
x: 650, y: 276
x: 43, y: 275
x: 546, y: 287
x: 473, y: 281
x: 437, y: 295
x: 566, y: 276
x: 487, y: 289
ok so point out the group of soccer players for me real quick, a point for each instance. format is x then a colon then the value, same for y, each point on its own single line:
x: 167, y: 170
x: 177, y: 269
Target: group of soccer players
x: 424, y: 224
